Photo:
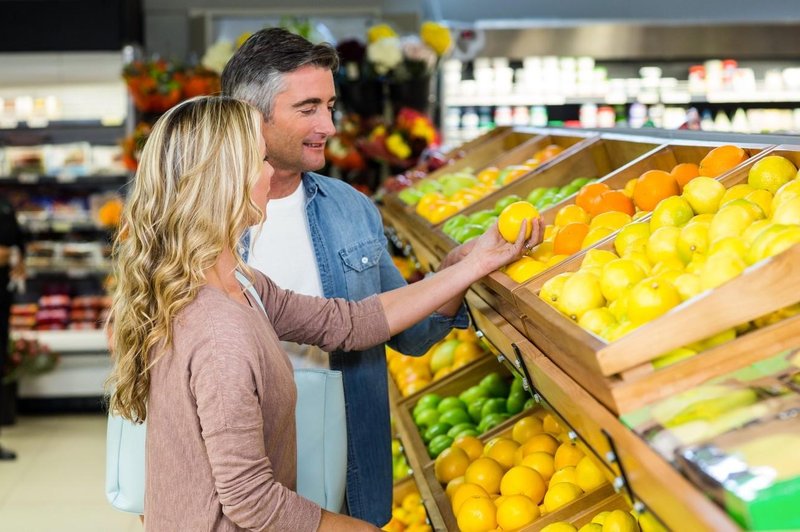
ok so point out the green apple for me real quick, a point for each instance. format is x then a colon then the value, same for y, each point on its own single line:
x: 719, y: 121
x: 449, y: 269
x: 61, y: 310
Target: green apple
x: 454, y: 223
x: 502, y: 203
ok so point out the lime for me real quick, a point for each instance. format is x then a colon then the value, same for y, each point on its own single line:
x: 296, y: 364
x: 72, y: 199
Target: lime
x: 429, y: 400
x: 458, y: 429
x: 455, y: 417
x: 475, y: 408
x: 493, y: 406
x: 516, y: 402
x: 502, y: 203
x: 491, y: 421
x: 473, y: 393
x: 516, y: 385
x: 449, y: 403
x: 436, y: 430
x: 530, y: 403
x: 427, y: 417
x: 495, y: 385
x: 456, y: 222
x: 439, y: 444
x: 536, y: 195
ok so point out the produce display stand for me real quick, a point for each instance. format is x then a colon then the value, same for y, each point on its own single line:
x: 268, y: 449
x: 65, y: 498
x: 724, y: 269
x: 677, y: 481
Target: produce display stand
x: 586, y: 381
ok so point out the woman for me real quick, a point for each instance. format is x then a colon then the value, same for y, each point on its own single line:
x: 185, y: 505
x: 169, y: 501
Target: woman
x: 200, y: 360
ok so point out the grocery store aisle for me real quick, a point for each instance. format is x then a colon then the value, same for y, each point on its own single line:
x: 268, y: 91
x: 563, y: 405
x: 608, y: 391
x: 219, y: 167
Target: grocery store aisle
x: 57, y: 481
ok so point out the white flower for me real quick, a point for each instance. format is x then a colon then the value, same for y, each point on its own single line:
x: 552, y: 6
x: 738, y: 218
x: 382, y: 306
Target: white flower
x: 385, y: 54
x: 415, y: 50
x: 218, y: 55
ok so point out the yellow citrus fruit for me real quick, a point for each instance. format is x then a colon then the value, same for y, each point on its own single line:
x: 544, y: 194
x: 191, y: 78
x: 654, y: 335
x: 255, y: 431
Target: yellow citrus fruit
x: 735, y: 192
x: 510, y: 220
x: 498, y: 500
x: 755, y: 229
x: 663, y: 244
x: 471, y: 445
x: 783, y: 241
x: 692, y: 239
x: 581, y: 292
x: 771, y: 173
x: 559, y: 526
x: 571, y: 213
x: 411, y: 502
x: 620, y: 521
x: 555, y: 259
x: 486, y: 473
x: 719, y: 269
x: 612, y: 220
x: 730, y: 244
x: 441, y: 212
x: 467, y: 352
x: 568, y: 474
x: 516, y: 511
x: 477, y: 515
x: 731, y: 220
x: 597, y: 320
x: 452, y: 486
x: 501, y: 450
x: 591, y: 527
x: 703, y: 194
x: 525, y: 428
x: 601, y: 517
x: 597, y: 258
x: 551, y: 425
x: 521, y: 480
x: 688, y: 285
x: 788, y: 212
x: 567, y: 454
x: 466, y: 491
x: 524, y: 268
x: 630, y: 186
x: 674, y: 211
x: 762, y: 198
x: 540, y: 462
x: 630, y: 234
x: 650, y: 299
x: 786, y: 192
x: 543, y: 251
x: 451, y: 463
x: 595, y: 235
x: 544, y: 442
x: 561, y: 494
x: 587, y: 475
x: 553, y: 287
x: 618, y: 276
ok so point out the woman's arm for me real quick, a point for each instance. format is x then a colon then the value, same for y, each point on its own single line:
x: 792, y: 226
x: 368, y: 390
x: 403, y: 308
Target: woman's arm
x: 444, y: 291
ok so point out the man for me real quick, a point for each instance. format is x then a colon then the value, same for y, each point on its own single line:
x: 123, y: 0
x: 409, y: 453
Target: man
x: 324, y: 238
x: 10, y: 237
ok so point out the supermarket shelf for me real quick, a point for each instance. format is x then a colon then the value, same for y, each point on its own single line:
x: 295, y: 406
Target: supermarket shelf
x: 65, y: 342
x: 73, y: 272
x: 35, y: 180
x: 63, y: 226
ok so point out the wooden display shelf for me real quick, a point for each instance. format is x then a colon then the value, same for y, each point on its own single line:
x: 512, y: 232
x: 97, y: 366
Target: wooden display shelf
x: 769, y: 285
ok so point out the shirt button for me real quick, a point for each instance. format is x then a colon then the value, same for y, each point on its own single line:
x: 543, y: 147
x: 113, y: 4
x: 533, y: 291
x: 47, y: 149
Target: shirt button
x: 364, y: 260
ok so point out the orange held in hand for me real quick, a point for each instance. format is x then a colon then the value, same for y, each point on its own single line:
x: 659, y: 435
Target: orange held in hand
x: 570, y: 238
x: 721, y: 159
x: 510, y: 220
x: 652, y: 187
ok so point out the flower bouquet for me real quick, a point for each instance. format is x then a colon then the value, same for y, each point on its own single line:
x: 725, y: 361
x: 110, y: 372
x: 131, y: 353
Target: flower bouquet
x: 28, y: 357
x: 155, y: 86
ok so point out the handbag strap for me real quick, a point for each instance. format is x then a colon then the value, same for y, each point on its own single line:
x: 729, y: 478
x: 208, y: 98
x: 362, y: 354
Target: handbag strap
x: 251, y: 289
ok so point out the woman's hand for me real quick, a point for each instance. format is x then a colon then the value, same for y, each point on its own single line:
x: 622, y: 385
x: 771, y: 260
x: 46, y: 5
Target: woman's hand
x: 491, y: 251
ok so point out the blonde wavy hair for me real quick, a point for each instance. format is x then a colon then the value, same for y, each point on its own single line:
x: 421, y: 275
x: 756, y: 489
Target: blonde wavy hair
x: 190, y: 200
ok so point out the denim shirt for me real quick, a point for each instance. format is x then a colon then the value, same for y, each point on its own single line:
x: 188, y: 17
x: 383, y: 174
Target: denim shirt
x: 351, y: 251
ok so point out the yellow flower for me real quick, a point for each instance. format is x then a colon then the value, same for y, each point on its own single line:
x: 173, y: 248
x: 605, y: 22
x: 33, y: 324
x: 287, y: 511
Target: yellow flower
x: 436, y: 36
x: 241, y: 38
x: 422, y: 130
x: 397, y: 146
x: 380, y: 31
x: 379, y: 131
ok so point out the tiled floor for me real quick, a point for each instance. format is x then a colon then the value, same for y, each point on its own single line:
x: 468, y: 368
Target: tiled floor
x: 56, y: 483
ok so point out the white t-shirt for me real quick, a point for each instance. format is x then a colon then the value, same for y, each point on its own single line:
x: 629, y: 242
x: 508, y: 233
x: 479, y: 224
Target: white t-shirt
x: 283, y: 250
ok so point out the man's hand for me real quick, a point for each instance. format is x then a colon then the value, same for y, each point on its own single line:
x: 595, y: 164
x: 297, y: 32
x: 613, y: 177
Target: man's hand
x: 490, y: 251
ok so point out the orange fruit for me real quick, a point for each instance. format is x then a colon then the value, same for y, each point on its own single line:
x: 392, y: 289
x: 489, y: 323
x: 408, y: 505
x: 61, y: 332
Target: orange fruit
x: 566, y: 455
x: 471, y: 445
x: 477, y: 515
x: 652, y: 187
x: 542, y: 463
x: 571, y: 213
x: 525, y: 428
x: 545, y: 443
x: 613, y: 200
x: 549, y: 152
x: 550, y: 424
x: 570, y: 238
x: 721, y: 159
x: 486, y: 473
x: 514, y: 172
x: 515, y: 512
x: 685, y: 172
x: 501, y: 450
x: 466, y: 491
x: 467, y: 352
x: 588, y: 194
x: 510, y: 220
x: 451, y: 463
x: 521, y: 480
x: 488, y: 175
x: 560, y: 495
x: 452, y: 486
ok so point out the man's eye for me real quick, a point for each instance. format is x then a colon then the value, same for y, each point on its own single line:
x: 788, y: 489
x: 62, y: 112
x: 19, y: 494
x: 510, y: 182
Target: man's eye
x: 331, y: 109
x: 307, y: 111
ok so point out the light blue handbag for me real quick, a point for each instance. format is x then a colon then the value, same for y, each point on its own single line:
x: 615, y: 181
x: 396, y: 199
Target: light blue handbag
x: 321, y: 443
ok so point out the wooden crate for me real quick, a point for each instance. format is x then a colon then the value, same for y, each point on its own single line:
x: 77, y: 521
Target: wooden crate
x: 620, y: 373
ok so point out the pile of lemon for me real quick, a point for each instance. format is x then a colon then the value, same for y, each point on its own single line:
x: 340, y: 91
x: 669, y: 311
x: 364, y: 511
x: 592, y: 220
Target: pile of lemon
x: 408, y: 515
x: 692, y: 243
x: 512, y: 480
x: 606, y: 521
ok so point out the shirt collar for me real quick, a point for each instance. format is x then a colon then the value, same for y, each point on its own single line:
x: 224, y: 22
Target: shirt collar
x: 314, y: 183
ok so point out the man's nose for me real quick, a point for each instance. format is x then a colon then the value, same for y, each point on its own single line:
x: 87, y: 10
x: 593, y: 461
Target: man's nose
x: 326, y: 126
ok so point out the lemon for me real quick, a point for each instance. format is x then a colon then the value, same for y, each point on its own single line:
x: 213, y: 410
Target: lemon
x: 552, y: 288
x: 783, y: 241
x: 567, y: 454
x: 591, y: 527
x: 673, y: 357
x: 731, y: 220
x: 543, y: 251
x: 540, y: 462
x: 692, y: 239
x: 477, y: 515
x: 550, y: 232
x: 730, y: 244
x: 650, y: 299
x: 465, y: 492
x: 620, y: 521
x: 601, y: 517
x: 555, y: 259
x: 762, y: 198
x: 755, y: 229
x: 510, y: 220
x: 718, y: 339
x: 566, y: 474
x: 704, y: 194
x: 673, y: 211
x: 569, y: 214
x: 630, y: 234
x: 559, y: 526
x: 521, y: 480
x: 786, y: 192
x: 735, y: 192
x: 719, y: 269
x: 663, y: 244
x: 670, y: 268
x: 702, y: 218
x: 612, y: 220
x: 640, y: 258
x: 516, y: 511
x: 581, y: 292
x: 620, y: 330
x: 588, y: 475
x: 688, y: 285
x: 619, y: 309
x: 770, y: 173
x: 597, y: 258
x: 754, y: 208
x: 597, y: 320
x: 524, y: 268
x: 595, y: 235
x: 618, y: 276
x: 758, y: 249
x: 560, y: 495
x: 788, y: 212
